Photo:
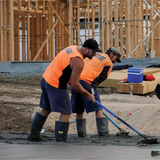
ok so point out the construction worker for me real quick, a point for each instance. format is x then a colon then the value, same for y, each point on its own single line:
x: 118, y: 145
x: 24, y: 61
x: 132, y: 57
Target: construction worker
x: 68, y: 64
x: 95, y: 71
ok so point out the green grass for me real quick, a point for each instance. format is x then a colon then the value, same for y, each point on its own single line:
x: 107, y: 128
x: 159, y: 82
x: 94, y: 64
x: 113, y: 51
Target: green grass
x: 20, y: 78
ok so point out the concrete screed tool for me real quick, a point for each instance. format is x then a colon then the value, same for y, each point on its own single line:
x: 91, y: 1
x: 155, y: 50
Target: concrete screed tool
x: 145, y: 140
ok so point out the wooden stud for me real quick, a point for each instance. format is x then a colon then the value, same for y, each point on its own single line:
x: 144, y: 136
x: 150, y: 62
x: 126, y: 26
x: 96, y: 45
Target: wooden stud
x: 66, y: 41
x: 0, y: 30
x: 100, y: 22
x: 78, y: 20
x: 45, y: 37
x: 59, y: 30
x: 140, y: 27
x: 128, y: 51
x: 110, y: 24
x: 102, y: 26
x: 93, y: 20
x: 41, y: 37
x: 131, y: 26
x: 116, y: 23
x: 44, y: 8
x: 37, y: 36
x: 5, y: 34
x: 8, y: 47
x: 2, y: 45
x: 121, y: 30
x: 19, y: 4
x: 136, y: 29
x: 18, y: 48
x: 12, y: 29
x: 49, y: 29
x: 32, y: 36
x: 88, y: 17
x: 152, y: 34
x: 70, y: 23
x: 107, y: 35
x: 61, y: 27
x: 23, y: 39
x: 147, y: 39
x: 28, y: 38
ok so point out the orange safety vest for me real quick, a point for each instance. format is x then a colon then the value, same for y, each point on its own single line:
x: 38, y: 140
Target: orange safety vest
x: 95, y: 67
x: 58, y: 72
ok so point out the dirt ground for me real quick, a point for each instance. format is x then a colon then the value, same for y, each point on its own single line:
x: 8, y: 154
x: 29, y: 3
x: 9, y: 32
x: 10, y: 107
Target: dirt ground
x: 19, y: 100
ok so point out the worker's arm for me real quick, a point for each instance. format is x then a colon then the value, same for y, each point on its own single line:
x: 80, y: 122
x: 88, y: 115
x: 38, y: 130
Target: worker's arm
x: 77, y: 66
x: 103, y: 75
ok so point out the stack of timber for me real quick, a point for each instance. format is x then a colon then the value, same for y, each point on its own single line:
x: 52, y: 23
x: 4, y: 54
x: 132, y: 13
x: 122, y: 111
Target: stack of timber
x: 139, y: 88
x: 116, y: 79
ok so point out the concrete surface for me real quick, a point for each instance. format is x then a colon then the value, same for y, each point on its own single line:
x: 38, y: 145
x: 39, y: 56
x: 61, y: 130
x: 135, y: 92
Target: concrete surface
x: 14, y: 67
x: 66, y: 151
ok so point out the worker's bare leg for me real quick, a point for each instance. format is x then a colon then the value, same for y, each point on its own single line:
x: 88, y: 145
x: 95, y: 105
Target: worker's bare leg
x: 44, y: 113
x: 99, y: 114
x: 79, y: 115
x: 64, y: 117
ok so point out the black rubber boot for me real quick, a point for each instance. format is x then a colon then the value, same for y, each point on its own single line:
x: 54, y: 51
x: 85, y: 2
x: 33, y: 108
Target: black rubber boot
x: 61, y: 131
x: 81, y: 127
x: 36, y: 127
x: 102, y: 126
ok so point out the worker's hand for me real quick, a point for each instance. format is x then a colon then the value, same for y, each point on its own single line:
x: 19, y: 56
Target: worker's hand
x: 90, y: 98
x: 157, y: 90
x: 150, y: 77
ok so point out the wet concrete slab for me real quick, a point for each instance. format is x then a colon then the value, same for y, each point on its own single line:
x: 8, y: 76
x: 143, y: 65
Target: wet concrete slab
x: 66, y: 151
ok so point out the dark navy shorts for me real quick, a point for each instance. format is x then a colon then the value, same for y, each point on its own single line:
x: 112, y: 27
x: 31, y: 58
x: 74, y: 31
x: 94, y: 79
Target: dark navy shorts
x: 54, y: 99
x: 79, y: 102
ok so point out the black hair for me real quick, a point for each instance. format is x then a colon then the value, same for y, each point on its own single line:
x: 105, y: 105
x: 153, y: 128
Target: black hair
x: 109, y: 51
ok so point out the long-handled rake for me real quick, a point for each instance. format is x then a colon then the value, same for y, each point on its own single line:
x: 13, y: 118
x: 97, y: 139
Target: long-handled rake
x: 146, y: 139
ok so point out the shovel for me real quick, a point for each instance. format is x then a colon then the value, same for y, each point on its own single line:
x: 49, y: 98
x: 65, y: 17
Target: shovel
x: 146, y: 139
x: 122, y: 131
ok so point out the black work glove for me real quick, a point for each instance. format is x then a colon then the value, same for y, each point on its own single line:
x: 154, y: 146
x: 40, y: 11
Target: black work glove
x: 157, y: 90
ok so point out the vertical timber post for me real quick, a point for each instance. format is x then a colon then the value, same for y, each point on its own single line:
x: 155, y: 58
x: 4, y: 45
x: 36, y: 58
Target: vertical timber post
x: 12, y: 30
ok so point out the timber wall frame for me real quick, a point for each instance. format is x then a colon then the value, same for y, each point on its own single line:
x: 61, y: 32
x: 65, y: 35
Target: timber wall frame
x: 36, y: 30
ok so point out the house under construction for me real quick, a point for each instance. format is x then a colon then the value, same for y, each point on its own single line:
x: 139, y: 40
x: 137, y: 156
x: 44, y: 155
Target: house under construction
x: 36, y: 30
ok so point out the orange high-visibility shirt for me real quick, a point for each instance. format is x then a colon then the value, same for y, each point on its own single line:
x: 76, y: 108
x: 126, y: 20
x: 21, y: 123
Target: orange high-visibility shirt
x: 97, y: 69
x: 58, y: 72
